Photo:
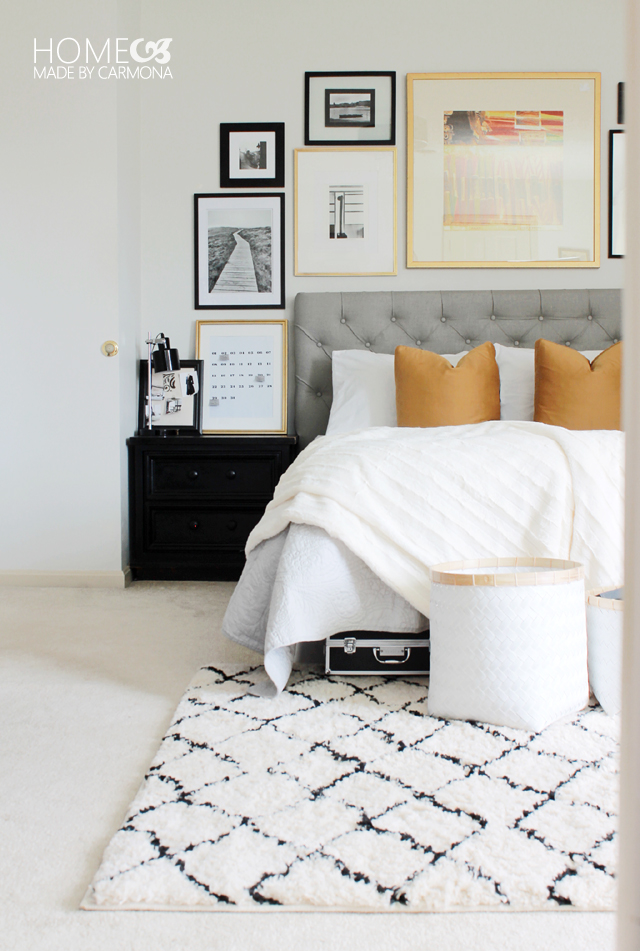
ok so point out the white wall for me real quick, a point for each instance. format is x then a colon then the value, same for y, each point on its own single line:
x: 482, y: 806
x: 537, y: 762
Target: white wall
x: 58, y: 300
x: 72, y: 182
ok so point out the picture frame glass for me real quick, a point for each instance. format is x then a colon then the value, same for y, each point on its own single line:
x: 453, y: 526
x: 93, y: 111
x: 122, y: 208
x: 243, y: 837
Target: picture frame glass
x: 350, y: 108
x: 346, y: 211
x: 503, y: 170
x: 245, y: 375
x: 239, y: 251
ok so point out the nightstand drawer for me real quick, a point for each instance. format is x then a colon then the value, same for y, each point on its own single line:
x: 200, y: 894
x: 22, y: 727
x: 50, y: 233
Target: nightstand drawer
x: 222, y: 477
x: 200, y: 528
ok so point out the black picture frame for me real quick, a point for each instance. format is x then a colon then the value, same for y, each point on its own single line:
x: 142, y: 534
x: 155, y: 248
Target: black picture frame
x: 192, y: 429
x: 213, y: 253
x: 620, y: 103
x: 246, y: 177
x: 615, y: 239
x: 317, y: 89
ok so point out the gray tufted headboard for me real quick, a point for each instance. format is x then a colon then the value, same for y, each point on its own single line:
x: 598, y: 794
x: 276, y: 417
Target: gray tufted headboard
x: 442, y: 321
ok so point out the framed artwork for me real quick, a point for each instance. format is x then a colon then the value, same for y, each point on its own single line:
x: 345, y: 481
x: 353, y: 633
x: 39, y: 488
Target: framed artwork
x: 620, y: 103
x: 345, y: 211
x: 244, y: 382
x: 503, y: 170
x: 177, y: 398
x: 251, y: 154
x: 239, y: 251
x: 617, y: 195
x: 350, y: 108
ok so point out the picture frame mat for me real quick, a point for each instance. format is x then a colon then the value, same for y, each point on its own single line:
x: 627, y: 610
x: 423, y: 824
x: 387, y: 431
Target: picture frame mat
x: 316, y: 170
x: 210, y: 331
x: 429, y: 95
x: 226, y: 204
x: 382, y: 133
x: 231, y: 176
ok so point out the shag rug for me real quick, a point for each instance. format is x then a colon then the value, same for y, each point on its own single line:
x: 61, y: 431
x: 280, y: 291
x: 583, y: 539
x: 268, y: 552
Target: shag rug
x: 343, y: 794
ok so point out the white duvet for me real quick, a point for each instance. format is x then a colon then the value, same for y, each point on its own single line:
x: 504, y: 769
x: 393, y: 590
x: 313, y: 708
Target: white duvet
x: 401, y: 500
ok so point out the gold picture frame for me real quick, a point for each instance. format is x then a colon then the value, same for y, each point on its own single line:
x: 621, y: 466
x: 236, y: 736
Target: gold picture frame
x: 244, y: 379
x: 503, y: 188
x: 348, y: 194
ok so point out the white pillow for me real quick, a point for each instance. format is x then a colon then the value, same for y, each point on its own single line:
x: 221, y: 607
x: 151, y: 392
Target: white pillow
x: 518, y: 380
x: 364, y: 390
x: 364, y: 386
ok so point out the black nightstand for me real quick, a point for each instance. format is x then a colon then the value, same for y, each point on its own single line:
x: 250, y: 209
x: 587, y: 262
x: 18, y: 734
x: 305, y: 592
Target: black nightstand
x: 193, y: 500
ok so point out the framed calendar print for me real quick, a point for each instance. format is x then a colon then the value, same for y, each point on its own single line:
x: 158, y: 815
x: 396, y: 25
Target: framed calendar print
x: 244, y: 381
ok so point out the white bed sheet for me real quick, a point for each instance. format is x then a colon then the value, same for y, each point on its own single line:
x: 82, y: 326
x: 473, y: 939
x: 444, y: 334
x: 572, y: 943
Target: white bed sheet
x: 357, y: 520
x: 301, y: 586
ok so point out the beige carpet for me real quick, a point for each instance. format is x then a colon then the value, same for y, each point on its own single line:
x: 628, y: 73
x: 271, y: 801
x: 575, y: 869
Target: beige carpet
x: 89, y: 681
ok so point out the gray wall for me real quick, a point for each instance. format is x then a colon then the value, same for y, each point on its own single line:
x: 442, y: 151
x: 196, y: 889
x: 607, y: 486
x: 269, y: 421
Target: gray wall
x: 96, y: 207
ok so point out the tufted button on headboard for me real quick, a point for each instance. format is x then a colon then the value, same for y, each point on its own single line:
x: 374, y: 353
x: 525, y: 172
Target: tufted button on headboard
x: 442, y: 321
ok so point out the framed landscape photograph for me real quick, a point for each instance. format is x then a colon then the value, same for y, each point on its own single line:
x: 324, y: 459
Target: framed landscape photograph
x: 239, y: 251
x: 345, y: 211
x: 244, y: 381
x: 350, y: 108
x: 617, y: 193
x: 252, y: 154
x: 503, y: 170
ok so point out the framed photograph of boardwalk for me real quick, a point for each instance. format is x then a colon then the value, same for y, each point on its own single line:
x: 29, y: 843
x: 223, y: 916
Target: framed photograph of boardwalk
x: 251, y: 154
x: 350, y: 108
x: 239, y: 251
x: 503, y: 170
x: 244, y: 381
x: 345, y: 211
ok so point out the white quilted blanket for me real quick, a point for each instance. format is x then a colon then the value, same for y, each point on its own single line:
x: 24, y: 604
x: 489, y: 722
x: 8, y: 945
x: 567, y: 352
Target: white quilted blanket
x: 405, y: 499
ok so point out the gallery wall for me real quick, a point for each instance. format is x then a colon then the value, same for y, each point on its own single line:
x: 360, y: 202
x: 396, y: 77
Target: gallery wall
x: 97, y: 197
x: 245, y: 62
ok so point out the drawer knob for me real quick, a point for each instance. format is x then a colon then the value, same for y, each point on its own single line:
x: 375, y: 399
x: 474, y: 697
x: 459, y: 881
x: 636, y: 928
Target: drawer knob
x: 231, y: 473
x: 193, y: 526
x: 192, y: 474
x: 232, y: 524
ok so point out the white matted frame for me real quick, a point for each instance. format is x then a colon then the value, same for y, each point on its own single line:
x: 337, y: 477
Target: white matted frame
x: 345, y: 211
x: 503, y: 170
x: 239, y: 251
x: 244, y: 381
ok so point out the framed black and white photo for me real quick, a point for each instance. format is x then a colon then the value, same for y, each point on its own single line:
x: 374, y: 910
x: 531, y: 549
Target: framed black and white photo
x: 617, y: 195
x: 239, y: 251
x: 176, y: 398
x: 350, y: 108
x: 252, y: 154
x: 345, y: 214
x: 244, y: 383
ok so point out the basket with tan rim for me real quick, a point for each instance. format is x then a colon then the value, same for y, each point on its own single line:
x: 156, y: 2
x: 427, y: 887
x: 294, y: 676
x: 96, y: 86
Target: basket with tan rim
x: 508, y: 641
x: 605, y: 608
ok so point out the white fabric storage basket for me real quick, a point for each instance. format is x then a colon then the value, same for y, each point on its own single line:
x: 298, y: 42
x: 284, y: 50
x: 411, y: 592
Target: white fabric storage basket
x: 508, y: 641
x: 604, y: 635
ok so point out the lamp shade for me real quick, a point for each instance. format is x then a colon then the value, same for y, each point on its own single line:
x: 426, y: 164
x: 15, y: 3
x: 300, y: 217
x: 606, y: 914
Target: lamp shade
x: 165, y: 358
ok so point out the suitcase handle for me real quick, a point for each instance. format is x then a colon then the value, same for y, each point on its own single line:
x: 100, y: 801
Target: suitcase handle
x: 392, y: 660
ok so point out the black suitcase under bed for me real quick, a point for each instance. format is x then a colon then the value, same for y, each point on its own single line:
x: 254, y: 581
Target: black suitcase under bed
x: 372, y: 652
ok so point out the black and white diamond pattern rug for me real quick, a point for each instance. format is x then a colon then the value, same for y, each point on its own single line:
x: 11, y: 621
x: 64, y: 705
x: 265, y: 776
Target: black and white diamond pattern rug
x: 343, y: 794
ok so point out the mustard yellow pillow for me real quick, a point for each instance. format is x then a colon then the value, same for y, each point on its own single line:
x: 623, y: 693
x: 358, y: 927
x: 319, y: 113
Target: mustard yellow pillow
x: 574, y: 393
x: 432, y: 392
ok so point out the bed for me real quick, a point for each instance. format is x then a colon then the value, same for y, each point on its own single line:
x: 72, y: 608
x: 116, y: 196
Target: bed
x: 355, y: 523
